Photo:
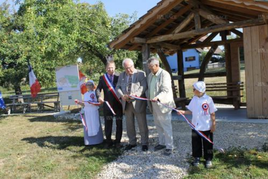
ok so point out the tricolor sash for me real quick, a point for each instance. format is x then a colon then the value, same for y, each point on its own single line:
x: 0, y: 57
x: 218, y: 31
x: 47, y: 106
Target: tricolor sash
x: 110, y: 86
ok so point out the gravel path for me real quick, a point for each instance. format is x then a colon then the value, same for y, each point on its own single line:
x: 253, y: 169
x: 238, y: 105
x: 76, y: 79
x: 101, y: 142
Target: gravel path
x: 139, y: 165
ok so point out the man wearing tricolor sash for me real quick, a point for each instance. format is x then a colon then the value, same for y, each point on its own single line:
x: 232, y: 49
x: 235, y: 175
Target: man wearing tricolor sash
x: 107, y: 83
x: 203, y: 111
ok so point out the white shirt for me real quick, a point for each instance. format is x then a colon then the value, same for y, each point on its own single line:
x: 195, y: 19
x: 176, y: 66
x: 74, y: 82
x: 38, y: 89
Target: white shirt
x: 201, y: 109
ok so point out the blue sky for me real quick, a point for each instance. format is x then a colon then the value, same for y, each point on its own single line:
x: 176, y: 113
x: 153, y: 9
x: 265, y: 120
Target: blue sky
x: 114, y: 7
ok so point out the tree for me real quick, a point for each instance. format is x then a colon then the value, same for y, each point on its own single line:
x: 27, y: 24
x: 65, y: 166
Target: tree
x: 52, y: 33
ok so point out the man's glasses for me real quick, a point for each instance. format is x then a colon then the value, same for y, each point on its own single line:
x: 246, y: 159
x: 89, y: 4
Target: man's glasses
x: 128, y: 68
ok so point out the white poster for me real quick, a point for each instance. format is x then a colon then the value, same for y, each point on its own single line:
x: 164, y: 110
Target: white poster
x: 68, y: 84
x: 67, y: 78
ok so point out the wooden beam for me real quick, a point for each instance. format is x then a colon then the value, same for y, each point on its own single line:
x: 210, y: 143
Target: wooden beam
x: 205, y: 62
x: 245, y: 4
x: 237, y: 32
x: 210, y: 37
x: 171, y: 19
x: 145, y: 56
x: 163, y: 58
x: 215, y: 28
x: 207, y: 44
x: 233, y: 9
x: 197, y: 21
x: 196, y: 75
x: 168, y: 45
x: 184, y: 23
x: 163, y: 25
x: 212, y: 17
x: 138, y: 40
x: 181, y: 74
x: 144, y: 23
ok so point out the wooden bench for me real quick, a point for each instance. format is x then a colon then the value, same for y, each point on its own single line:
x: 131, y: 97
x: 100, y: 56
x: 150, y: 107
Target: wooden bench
x: 234, y: 92
x: 180, y: 102
x: 41, y: 100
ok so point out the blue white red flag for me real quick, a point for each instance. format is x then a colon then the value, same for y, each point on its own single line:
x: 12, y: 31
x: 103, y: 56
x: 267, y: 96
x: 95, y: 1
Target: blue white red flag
x: 2, y: 103
x: 34, y: 83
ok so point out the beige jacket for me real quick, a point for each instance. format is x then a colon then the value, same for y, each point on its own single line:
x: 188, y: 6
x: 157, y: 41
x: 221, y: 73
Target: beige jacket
x: 163, y: 90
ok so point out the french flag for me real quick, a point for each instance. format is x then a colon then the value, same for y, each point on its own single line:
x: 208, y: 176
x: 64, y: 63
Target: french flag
x: 34, y: 84
x: 82, y: 82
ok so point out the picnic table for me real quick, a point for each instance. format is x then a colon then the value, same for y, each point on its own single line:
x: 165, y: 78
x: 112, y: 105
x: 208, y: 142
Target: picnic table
x: 42, y: 100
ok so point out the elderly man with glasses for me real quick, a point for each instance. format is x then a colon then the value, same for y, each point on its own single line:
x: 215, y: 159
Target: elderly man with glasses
x: 133, y: 82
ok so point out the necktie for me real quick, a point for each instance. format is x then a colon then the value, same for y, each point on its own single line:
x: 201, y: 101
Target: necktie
x: 111, y: 78
x: 129, y: 84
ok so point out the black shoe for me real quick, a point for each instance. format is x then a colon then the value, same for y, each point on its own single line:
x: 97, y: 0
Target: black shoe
x: 159, y: 147
x: 108, y: 145
x: 144, y: 148
x: 129, y: 147
x: 196, y: 161
x: 118, y: 145
x: 168, y: 152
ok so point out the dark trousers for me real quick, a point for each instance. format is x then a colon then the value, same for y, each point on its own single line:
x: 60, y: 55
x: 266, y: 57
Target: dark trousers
x: 199, y: 143
x: 109, y: 126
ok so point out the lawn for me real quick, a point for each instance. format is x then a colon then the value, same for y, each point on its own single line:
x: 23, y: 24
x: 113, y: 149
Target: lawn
x: 236, y: 163
x: 40, y: 146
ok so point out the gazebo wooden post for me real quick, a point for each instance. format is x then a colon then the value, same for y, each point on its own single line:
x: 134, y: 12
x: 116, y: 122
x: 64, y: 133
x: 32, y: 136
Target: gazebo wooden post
x: 228, y: 65
x: 181, y: 74
x: 256, y: 64
x: 145, y: 56
x: 235, y: 64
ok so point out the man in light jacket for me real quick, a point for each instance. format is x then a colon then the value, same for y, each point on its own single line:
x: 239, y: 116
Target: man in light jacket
x: 160, y: 90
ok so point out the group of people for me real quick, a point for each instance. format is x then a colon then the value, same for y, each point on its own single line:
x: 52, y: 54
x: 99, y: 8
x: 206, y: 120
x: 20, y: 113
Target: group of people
x: 129, y: 93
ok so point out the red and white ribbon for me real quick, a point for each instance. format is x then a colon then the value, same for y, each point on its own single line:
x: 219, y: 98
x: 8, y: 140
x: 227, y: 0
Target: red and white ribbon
x: 83, y: 121
x: 190, y: 124
x: 97, y: 104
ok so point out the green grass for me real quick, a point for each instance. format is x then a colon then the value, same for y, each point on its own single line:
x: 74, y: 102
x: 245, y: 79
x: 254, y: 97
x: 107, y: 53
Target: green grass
x: 235, y: 163
x: 40, y: 146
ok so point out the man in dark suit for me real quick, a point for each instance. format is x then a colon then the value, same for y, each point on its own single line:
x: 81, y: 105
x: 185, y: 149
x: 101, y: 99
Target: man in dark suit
x: 133, y: 82
x: 107, y: 83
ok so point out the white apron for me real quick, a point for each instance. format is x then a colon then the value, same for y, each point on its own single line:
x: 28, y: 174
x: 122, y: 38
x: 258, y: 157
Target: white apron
x: 91, y: 114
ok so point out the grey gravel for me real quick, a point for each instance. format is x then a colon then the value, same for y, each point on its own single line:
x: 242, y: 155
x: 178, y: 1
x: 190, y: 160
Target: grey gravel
x: 139, y: 165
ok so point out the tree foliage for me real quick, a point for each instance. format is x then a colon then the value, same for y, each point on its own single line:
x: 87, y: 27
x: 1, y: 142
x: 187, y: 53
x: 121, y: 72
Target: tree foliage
x: 52, y: 33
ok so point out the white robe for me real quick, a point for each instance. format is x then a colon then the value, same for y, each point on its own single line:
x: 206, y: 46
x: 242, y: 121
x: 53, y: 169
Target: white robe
x: 91, y: 114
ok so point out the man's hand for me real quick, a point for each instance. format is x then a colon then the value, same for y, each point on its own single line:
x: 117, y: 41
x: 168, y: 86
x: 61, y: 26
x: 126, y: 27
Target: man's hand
x: 101, y: 100
x: 180, y: 112
x: 155, y: 99
x: 125, y: 97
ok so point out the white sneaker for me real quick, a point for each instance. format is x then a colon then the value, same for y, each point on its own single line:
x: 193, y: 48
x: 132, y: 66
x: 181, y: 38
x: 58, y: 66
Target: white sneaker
x: 208, y: 164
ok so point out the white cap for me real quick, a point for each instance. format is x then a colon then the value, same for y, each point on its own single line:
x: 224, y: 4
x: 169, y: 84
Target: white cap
x: 90, y: 82
x: 200, y: 86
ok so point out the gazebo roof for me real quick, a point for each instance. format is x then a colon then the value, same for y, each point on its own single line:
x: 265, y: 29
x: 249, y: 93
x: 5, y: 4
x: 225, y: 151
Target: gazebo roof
x: 175, y: 24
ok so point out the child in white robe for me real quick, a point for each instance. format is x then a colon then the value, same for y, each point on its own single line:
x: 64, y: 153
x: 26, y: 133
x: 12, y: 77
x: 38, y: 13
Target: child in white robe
x: 92, y: 132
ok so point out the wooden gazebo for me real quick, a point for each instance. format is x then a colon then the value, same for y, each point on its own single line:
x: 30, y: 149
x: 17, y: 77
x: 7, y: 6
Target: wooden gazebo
x: 175, y: 25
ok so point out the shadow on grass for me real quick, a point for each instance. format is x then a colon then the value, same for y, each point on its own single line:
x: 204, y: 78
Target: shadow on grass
x: 56, y: 142
x: 50, y: 118
x: 76, y: 145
